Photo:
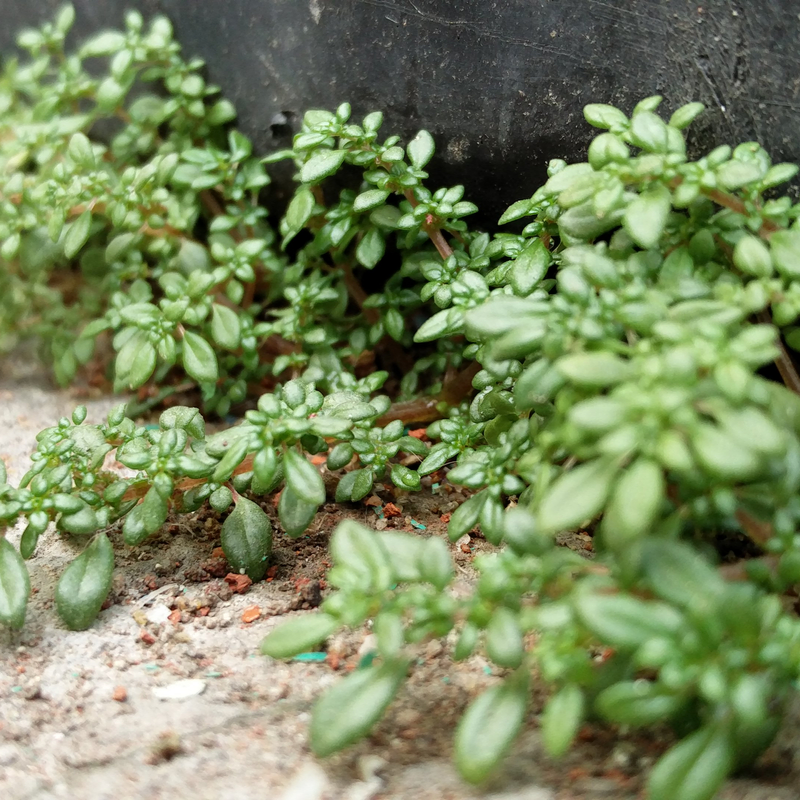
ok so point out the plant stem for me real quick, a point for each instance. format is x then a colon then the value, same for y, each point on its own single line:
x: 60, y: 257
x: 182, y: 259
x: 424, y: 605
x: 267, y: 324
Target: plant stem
x: 435, y: 234
x: 783, y: 362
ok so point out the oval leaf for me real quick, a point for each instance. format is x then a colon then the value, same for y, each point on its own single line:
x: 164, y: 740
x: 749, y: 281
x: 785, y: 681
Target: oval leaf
x: 595, y: 369
x: 347, y: 712
x: 634, y: 503
x: 247, y: 539
x: 77, y: 234
x: 577, y: 495
x: 370, y: 199
x: 561, y: 719
x: 15, y: 585
x: 646, y: 216
x: 199, y: 360
x: 321, y: 164
x: 723, y: 456
x: 226, y: 329
x: 84, y: 584
x: 693, y: 769
x: 145, y: 519
x: 303, y: 478
x: 489, y: 727
x: 504, y: 643
x: 421, y: 149
x: 298, y: 635
x: 636, y: 703
x: 625, y: 621
x: 295, y: 513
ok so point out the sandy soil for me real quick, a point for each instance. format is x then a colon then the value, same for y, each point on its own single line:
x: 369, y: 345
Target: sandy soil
x: 81, y: 715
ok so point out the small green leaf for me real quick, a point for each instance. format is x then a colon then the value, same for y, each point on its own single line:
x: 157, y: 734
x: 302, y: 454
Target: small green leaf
x: 634, y: 505
x: 561, y: 719
x: 183, y: 418
x: 646, y: 216
x: 303, y: 478
x: 421, y: 149
x: 785, y: 249
x: 467, y: 642
x: 529, y: 267
x: 695, y: 768
x: 370, y: 199
x: 357, y: 551
x: 354, y: 486
x: 247, y: 539
x: 221, y: 112
x: 322, y: 164
x: 105, y: 43
x: 649, y: 132
x: 577, y: 495
x: 395, y: 323
x: 80, y: 151
x: 752, y: 257
x: 371, y: 248
x: 601, y: 115
x: 638, y: 703
x: 779, y: 173
x: 685, y: 115
x: 15, y: 586
x: 84, y: 584
x: 504, y: 639
x: 489, y: 727
x: 65, y: 18
x: 220, y: 499
x: 340, y: 456
x: 522, y: 208
x: 437, y: 457
x: 465, y: 517
x: 265, y: 467
x: 680, y: 575
x: 136, y: 361
x: 295, y: 513
x: 226, y: 329
x: 435, y: 562
x: 596, y: 368
x: 734, y: 174
x: 233, y: 456
x: 145, y: 518
x: 566, y: 177
x: 722, y: 455
x: 300, y: 209
x: 298, y: 635
x: 405, y: 478
x: 81, y: 522
x: 625, y: 621
x: 77, y: 234
x: 110, y: 94
x: 598, y: 414
x: 499, y: 315
x: 448, y: 321
x: 348, y: 710
x: 199, y: 360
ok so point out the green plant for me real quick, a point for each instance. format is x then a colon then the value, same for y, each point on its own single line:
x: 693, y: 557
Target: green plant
x: 602, y: 366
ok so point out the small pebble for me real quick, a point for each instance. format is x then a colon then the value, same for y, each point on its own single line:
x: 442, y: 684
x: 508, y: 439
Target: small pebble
x: 120, y: 694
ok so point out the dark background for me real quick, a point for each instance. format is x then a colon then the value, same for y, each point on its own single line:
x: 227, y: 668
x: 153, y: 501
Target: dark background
x: 499, y: 84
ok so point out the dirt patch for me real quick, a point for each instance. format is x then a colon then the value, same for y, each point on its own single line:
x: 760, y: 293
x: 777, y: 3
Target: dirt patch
x: 82, y: 714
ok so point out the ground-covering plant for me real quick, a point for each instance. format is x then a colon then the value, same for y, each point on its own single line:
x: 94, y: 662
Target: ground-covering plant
x: 607, y: 365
